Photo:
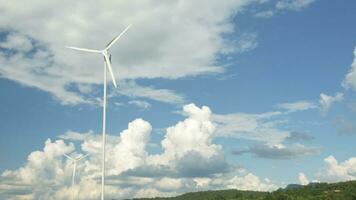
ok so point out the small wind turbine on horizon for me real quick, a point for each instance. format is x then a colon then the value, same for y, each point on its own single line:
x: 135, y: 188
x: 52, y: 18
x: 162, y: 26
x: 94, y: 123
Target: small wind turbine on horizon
x: 74, y: 163
x: 107, y: 65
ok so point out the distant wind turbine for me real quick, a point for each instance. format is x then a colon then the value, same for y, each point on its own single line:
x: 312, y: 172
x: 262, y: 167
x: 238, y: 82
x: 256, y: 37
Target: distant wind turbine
x: 74, y: 163
x: 107, y: 65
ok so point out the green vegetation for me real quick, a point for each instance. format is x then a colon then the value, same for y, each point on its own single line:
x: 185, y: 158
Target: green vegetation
x: 313, y: 191
x: 317, y: 191
x: 216, y: 195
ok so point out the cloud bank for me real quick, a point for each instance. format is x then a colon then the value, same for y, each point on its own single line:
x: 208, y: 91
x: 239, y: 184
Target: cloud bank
x: 189, y: 161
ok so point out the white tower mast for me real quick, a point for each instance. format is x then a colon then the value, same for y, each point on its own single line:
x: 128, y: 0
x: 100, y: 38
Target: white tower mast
x: 107, y: 66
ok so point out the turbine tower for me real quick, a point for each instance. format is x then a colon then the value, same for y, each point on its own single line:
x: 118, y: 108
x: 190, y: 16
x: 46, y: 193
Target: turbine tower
x: 107, y: 65
x: 74, y: 163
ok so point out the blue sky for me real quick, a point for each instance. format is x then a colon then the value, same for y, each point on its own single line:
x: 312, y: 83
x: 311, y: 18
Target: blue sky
x: 276, y: 75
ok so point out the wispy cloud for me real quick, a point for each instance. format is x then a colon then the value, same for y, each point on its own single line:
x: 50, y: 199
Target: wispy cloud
x: 299, y: 137
x: 283, y: 5
x: 259, y: 127
x: 297, y: 106
x: 144, y: 105
x: 293, y: 4
x: 345, y: 126
x: 279, y: 151
x: 132, y: 89
x: 272, y: 140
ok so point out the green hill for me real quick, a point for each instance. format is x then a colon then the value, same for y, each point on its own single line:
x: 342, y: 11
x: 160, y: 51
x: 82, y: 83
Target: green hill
x: 313, y: 191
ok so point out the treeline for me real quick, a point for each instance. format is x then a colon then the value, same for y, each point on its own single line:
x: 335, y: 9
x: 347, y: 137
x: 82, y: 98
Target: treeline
x: 313, y: 191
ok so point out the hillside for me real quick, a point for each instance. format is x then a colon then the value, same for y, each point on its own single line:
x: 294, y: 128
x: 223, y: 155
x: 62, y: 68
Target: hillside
x: 313, y: 191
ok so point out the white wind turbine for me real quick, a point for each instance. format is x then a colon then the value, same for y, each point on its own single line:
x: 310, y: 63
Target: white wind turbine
x: 74, y: 163
x: 107, y: 65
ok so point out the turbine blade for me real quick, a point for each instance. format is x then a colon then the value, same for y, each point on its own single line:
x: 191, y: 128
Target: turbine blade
x: 108, y: 65
x: 84, y: 49
x: 117, y: 37
x: 70, y: 158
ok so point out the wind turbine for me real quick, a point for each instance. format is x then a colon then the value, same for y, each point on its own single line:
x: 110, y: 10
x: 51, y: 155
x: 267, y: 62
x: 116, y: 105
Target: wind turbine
x: 107, y: 65
x: 74, y: 163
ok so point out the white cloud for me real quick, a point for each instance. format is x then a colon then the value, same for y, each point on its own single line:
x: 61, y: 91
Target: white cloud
x: 153, y: 47
x: 131, y: 89
x: 144, y: 105
x: 16, y: 41
x: 283, y: 5
x: 268, y: 131
x: 152, y: 193
x: 191, y: 138
x: 335, y: 171
x: 189, y: 160
x: 238, y: 178
x: 327, y: 101
x: 75, y: 136
x: 297, y: 106
x: 260, y: 127
x: 246, y: 42
x: 250, y: 182
x: 350, y: 78
x: 265, y: 14
x: 303, y: 179
x: 202, y: 182
x: 131, y: 148
x: 169, y: 184
x: 293, y: 4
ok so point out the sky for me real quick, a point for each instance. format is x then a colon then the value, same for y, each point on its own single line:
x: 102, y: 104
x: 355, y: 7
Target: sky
x: 243, y: 94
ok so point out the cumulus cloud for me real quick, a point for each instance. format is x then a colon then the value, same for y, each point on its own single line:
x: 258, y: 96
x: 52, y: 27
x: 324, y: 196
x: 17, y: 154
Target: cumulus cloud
x: 43, y: 169
x: 335, y: 171
x: 350, y: 78
x: 239, y: 179
x: 131, y: 149
x: 149, y: 50
x: 327, y: 101
x: 189, y: 161
x: 250, y: 182
x: 191, y: 140
x: 303, y: 179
